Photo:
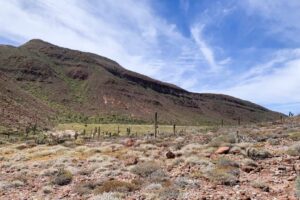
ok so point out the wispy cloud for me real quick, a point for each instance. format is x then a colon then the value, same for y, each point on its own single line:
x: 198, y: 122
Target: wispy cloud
x: 206, y: 50
x: 129, y: 33
x: 248, y: 49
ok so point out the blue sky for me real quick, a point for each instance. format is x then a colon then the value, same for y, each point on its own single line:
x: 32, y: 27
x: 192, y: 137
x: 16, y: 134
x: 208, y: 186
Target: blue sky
x: 248, y: 49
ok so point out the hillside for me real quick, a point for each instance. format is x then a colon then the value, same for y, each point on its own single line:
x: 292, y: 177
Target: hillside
x: 46, y: 83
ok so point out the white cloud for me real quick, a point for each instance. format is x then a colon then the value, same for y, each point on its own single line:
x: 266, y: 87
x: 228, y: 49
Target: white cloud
x: 134, y: 35
x: 130, y: 33
x: 279, y: 86
x: 281, y: 17
x: 206, y: 51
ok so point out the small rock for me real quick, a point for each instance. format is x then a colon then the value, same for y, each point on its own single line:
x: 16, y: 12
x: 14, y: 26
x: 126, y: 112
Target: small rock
x: 170, y: 155
x: 222, y: 150
x: 292, y: 178
x: 128, y: 142
x: 131, y: 161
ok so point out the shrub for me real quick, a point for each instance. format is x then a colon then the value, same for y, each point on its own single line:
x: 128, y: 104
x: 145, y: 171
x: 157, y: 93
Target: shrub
x: 106, y: 196
x: 273, y: 142
x: 257, y: 154
x: 168, y: 193
x: 223, y: 139
x: 295, y: 136
x: 116, y: 186
x: 225, y: 172
x: 41, y: 139
x: 85, y: 188
x: 294, y: 150
x: 63, y: 177
x: 261, y: 185
x: 145, y: 169
x: 183, y: 182
x: 297, y: 187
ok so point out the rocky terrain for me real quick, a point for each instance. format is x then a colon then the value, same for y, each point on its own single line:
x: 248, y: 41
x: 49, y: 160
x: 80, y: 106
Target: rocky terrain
x: 238, y: 162
x: 46, y: 84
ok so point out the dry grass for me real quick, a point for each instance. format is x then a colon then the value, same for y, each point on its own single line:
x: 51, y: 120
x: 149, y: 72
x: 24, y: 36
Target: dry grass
x: 116, y: 186
x: 135, y: 128
x: 63, y: 177
x: 225, y: 172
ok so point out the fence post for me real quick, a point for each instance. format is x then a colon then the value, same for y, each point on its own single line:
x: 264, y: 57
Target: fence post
x: 174, y: 129
x: 155, y: 125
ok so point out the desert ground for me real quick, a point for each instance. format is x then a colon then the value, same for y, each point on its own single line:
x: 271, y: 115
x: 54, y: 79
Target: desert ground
x: 257, y: 161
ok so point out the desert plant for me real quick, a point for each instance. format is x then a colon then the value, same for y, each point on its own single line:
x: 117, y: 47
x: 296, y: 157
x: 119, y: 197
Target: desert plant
x: 297, y: 187
x: 257, y: 154
x: 168, y: 193
x: 223, y: 139
x: 63, y: 177
x: 145, y: 169
x: 294, y: 150
x: 295, y: 136
x: 225, y: 172
x: 260, y: 185
x: 115, y: 186
x: 86, y: 188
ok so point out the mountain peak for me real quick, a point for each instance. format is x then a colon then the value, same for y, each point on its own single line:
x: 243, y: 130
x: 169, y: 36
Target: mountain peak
x: 36, y: 43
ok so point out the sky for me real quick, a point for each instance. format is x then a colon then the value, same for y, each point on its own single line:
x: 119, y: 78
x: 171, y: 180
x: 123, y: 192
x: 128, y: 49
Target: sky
x: 249, y: 49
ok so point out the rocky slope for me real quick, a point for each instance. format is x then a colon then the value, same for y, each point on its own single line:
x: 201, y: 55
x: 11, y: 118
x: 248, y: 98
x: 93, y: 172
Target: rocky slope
x: 70, y: 85
x: 261, y: 162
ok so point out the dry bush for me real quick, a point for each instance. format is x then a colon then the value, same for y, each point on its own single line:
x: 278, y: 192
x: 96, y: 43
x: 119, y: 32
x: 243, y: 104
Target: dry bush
x: 297, y: 187
x: 168, y: 193
x: 225, y: 172
x: 257, y: 154
x: 63, y: 177
x: 150, y: 170
x: 86, y: 188
x: 261, y: 185
x: 116, y: 186
x: 273, y: 141
x: 294, y: 150
x: 223, y: 140
x: 295, y: 136
x: 145, y: 169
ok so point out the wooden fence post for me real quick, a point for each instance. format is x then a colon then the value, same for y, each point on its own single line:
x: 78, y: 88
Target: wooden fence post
x: 174, y: 129
x: 155, y: 125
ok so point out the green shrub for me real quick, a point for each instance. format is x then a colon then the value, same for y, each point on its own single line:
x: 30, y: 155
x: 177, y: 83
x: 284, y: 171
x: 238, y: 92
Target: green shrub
x: 41, y: 139
x: 63, y: 177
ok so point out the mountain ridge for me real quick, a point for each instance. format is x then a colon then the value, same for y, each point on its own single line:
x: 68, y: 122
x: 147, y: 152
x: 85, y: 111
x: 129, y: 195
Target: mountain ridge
x: 77, y: 85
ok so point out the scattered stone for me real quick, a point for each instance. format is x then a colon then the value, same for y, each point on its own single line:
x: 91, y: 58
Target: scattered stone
x: 131, y: 161
x: 222, y: 150
x: 170, y: 155
x: 128, y: 142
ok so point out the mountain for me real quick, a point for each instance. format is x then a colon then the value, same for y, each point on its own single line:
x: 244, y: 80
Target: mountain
x: 44, y: 83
